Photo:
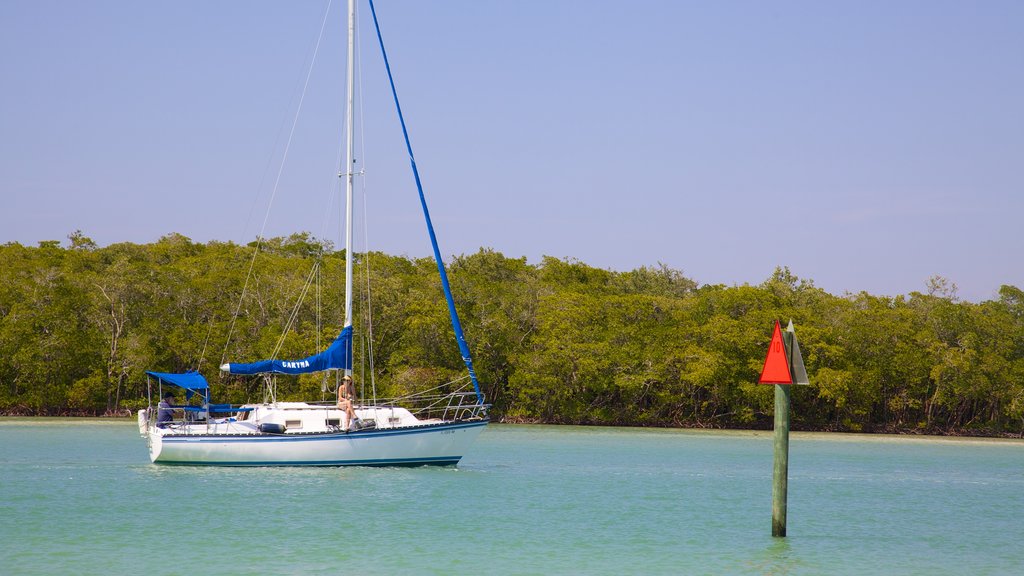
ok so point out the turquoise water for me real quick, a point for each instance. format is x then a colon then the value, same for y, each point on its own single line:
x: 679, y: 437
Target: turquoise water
x: 80, y: 497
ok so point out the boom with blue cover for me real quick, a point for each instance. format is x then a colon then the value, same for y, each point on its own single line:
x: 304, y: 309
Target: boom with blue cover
x: 337, y: 356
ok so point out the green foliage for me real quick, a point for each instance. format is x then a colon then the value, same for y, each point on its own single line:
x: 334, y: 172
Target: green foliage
x: 555, y: 342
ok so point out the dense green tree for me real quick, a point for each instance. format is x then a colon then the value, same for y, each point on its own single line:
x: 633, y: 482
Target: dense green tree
x: 559, y: 341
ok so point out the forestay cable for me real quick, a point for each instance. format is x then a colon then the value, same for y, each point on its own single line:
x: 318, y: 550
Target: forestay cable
x: 456, y: 325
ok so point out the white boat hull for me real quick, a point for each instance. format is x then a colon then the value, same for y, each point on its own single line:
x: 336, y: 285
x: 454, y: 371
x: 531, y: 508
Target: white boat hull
x: 440, y: 444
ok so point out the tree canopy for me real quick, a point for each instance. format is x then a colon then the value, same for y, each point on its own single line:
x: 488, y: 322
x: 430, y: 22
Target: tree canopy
x: 558, y: 341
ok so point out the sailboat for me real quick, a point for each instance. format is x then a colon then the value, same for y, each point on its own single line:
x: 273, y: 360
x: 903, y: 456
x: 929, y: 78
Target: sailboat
x: 316, y: 433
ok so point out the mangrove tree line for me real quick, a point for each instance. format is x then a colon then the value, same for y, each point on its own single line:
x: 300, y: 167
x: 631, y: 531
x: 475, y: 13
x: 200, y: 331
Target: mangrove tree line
x: 556, y: 342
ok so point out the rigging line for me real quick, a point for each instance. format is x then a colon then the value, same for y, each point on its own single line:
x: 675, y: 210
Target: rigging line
x: 456, y: 325
x: 362, y: 368
x: 202, y: 355
x: 319, y: 323
x: 295, y: 122
x: 295, y: 310
x: 277, y: 182
x: 248, y: 220
x: 335, y: 189
x: 266, y: 169
x: 367, y: 273
x: 366, y: 232
x: 424, y: 393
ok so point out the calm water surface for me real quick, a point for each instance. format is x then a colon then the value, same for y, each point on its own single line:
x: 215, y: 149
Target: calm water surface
x: 80, y: 497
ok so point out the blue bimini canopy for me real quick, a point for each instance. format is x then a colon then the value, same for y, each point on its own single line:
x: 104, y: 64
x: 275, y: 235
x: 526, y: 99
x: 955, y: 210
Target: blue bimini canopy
x: 191, y: 382
x: 337, y: 356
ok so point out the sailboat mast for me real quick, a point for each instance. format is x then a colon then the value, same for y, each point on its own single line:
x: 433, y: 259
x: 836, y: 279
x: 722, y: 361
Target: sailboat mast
x: 349, y: 161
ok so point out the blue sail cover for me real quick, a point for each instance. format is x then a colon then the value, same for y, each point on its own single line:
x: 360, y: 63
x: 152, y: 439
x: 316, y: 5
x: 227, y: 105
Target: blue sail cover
x: 337, y: 356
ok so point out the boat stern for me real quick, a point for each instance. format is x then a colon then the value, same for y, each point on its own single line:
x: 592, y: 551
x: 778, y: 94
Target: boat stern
x: 154, y: 439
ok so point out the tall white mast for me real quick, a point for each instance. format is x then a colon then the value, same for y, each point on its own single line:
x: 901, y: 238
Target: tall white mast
x: 349, y: 171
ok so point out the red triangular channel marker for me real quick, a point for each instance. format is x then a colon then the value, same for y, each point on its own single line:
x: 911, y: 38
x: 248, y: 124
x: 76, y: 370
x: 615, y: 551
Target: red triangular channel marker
x: 776, y: 364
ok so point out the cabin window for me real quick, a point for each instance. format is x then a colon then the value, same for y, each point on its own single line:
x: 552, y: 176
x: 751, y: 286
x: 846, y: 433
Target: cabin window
x: 293, y: 424
x: 334, y: 421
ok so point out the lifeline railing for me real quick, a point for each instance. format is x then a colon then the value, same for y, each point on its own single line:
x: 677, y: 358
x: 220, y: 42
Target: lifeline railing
x: 460, y: 405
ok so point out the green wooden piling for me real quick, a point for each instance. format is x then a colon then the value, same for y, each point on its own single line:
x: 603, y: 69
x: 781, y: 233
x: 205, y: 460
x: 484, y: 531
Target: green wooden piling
x: 780, y: 475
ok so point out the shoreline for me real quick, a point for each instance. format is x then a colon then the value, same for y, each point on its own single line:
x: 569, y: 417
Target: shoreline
x: 881, y: 431
x: 893, y: 432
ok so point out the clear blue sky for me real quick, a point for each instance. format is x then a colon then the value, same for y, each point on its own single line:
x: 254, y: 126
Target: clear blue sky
x: 867, y: 145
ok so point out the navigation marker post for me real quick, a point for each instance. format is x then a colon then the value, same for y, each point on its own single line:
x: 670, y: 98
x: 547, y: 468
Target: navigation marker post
x: 783, y: 366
